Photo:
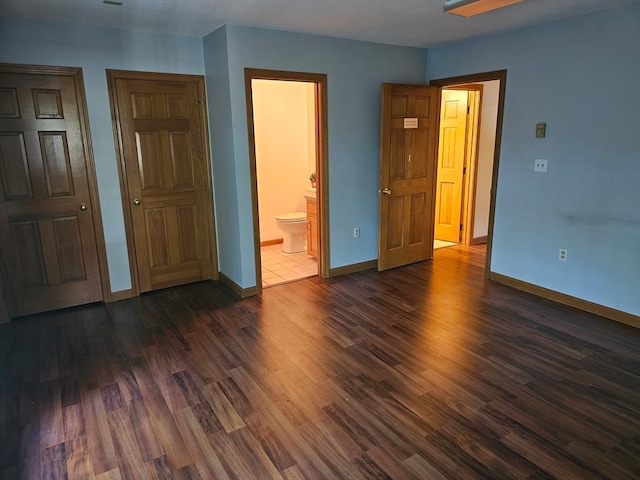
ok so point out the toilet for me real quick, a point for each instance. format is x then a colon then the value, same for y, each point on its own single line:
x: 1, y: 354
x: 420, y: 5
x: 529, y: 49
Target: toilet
x: 294, y: 229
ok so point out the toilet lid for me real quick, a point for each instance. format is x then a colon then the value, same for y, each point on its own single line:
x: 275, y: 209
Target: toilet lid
x: 292, y: 217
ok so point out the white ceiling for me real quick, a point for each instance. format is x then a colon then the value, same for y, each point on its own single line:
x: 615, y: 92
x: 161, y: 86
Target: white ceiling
x: 419, y: 23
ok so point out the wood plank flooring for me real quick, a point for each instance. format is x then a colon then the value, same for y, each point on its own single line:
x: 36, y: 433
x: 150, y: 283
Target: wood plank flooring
x: 422, y: 372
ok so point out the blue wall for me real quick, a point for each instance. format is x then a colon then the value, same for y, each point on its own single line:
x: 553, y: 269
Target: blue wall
x: 580, y: 76
x: 355, y: 72
x: 223, y: 170
x: 95, y: 50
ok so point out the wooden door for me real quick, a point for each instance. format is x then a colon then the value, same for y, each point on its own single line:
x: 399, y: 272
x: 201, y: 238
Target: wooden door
x: 407, y: 169
x: 451, y: 164
x: 164, y: 168
x: 48, y: 242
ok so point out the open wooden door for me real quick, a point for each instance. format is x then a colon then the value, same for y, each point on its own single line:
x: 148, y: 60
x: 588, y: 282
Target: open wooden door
x: 451, y: 164
x: 164, y: 166
x: 49, y: 212
x: 407, y: 170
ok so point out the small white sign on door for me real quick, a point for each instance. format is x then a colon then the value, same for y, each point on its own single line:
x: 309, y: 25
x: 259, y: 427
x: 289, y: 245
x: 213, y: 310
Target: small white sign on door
x: 410, y: 123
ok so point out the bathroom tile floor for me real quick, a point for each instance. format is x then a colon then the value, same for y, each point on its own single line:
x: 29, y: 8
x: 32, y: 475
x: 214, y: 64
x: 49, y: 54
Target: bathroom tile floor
x: 279, y: 267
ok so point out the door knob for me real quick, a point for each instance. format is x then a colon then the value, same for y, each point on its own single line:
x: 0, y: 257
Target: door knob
x: 385, y: 191
x: 83, y: 206
x: 136, y: 201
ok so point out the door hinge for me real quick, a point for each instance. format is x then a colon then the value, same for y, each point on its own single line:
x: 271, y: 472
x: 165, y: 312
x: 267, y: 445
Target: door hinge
x: 468, y: 110
x: 464, y: 170
x: 461, y: 226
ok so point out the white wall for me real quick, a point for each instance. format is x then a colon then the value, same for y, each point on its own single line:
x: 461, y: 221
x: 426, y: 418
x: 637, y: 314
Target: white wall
x: 579, y: 76
x: 281, y: 123
x: 95, y: 50
x: 486, y: 149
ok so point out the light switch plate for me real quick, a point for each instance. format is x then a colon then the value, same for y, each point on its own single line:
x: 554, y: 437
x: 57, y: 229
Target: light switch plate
x: 540, y: 166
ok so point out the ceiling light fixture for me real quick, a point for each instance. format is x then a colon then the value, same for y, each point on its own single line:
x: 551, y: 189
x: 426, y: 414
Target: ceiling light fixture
x: 469, y: 8
x: 112, y: 2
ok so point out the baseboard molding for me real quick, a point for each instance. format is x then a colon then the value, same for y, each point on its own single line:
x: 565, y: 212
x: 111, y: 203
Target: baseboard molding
x: 237, y: 289
x: 479, y: 240
x: 587, y: 306
x: 355, y: 267
x: 121, y: 295
x: 268, y: 243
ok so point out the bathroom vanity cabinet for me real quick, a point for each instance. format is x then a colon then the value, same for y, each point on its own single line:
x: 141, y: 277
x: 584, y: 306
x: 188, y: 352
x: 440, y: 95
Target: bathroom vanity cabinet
x: 312, y: 227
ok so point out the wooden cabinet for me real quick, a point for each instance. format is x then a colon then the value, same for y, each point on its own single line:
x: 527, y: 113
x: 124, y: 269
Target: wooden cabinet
x: 312, y: 227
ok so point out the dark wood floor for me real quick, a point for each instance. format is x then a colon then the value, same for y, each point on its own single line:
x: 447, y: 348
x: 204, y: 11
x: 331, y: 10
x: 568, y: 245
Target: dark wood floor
x: 423, y: 372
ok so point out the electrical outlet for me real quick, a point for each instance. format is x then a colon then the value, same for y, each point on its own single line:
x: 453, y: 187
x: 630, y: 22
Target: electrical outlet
x: 356, y: 232
x: 562, y: 256
x: 540, y: 166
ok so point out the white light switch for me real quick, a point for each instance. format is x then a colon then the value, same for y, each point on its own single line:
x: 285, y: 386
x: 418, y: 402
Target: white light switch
x: 540, y: 166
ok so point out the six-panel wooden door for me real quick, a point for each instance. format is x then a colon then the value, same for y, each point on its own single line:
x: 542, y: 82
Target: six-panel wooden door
x: 162, y: 130
x: 407, y: 170
x: 451, y: 164
x: 48, y: 242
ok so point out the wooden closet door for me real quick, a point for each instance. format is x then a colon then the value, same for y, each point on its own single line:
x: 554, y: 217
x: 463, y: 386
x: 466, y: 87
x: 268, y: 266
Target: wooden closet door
x: 49, y: 251
x: 162, y: 127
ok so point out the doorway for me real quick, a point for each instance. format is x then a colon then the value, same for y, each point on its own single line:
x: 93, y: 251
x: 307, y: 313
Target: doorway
x: 477, y: 204
x: 286, y: 115
x: 456, y: 152
x: 467, y: 132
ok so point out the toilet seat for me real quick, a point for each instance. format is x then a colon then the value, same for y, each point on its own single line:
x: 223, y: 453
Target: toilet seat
x: 292, y: 217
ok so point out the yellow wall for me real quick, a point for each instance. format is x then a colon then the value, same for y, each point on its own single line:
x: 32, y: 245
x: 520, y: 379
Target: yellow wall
x: 284, y: 118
